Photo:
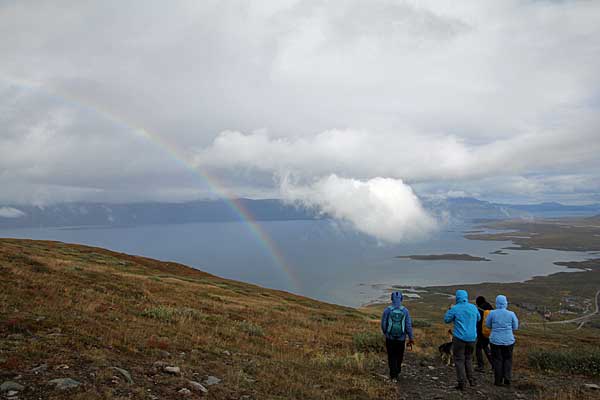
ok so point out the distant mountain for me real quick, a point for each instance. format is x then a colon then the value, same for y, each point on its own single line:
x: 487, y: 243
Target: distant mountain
x: 557, y: 208
x: 102, y: 214
x: 468, y: 209
x: 105, y: 214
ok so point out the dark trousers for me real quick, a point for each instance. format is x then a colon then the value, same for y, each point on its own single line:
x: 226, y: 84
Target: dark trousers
x: 483, y: 347
x: 395, y: 351
x: 463, y: 359
x: 502, y: 361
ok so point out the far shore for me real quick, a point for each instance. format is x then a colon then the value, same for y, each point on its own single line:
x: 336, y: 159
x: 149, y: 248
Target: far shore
x: 441, y: 257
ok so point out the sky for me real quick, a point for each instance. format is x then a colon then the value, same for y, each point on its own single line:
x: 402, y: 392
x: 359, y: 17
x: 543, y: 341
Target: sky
x: 380, y: 100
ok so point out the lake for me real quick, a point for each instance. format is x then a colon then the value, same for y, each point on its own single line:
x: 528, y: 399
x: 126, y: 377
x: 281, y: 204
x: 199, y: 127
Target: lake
x: 321, y: 259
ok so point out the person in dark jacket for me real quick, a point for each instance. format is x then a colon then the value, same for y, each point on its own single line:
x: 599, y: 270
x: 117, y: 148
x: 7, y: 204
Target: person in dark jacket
x: 502, y: 322
x: 396, y: 325
x: 483, y: 343
x: 465, y: 316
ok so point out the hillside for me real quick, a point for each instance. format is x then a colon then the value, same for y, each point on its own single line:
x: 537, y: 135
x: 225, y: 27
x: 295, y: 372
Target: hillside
x: 126, y: 327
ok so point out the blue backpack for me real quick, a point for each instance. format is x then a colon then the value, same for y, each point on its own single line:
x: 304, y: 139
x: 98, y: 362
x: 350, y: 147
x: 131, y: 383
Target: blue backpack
x: 396, y: 322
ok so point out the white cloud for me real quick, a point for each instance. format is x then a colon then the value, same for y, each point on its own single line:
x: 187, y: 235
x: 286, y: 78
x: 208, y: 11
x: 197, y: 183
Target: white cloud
x: 10, y: 212
x: 384, y: 208
x: 408, y: 155
x: 474, y: 96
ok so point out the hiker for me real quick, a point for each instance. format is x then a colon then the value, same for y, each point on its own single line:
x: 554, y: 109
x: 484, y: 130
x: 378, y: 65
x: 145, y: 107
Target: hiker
x: 396, y: 325
x: 465, y: 317
x: 502, y: 323
x: 483, y: 334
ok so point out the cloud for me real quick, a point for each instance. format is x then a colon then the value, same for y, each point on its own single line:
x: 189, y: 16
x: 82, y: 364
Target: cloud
x: 438, y: 94
x: 10, y: 212
x: 384, y: 208
x: 405, y: 154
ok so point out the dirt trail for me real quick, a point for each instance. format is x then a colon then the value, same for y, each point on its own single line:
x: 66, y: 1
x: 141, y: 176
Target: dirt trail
x: 424, y: 378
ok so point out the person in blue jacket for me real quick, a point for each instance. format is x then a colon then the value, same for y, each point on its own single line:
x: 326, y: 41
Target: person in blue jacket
x: 502, y: 322
x: 464, y: 335
x: 396, y: 325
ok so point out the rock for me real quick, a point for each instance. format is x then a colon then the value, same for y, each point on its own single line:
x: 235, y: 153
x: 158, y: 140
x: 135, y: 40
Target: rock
x: 164, y: 354
x: 198, y: 387
x: 65, y: 383
x: 226, y: 352
x: 172, y: 370
x: 10, y: 386
x: 39, y: 369
x: 11, y: 393
x: 125, y: 374
x: 211, y: 380
x: 184, y: 392
x: 431, y: 367
x: 592, y: 386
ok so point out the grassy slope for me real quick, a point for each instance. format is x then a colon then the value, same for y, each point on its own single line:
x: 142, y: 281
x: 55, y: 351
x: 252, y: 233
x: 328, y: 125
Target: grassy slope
x: 92, y: 309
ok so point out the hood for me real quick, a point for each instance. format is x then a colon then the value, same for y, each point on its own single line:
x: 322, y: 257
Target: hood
x: 396, y: 299
x: 501, y: 301
x: 461, y: 296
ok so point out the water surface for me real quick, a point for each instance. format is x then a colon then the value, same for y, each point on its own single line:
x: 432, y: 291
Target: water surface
x: 326, y: 261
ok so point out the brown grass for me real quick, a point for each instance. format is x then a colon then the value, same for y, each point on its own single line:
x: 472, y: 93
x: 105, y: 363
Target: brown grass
x: 83, y: 310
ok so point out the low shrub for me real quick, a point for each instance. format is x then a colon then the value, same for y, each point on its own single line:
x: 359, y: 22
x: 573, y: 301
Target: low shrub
x: 358, y: 361
x: 369, y: 342
x: 251, y: 329
x: 172, y: 314
x: 581, y: 362
x: 420, y: 323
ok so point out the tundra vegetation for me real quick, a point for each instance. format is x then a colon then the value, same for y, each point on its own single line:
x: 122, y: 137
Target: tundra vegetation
x: 121, y: 326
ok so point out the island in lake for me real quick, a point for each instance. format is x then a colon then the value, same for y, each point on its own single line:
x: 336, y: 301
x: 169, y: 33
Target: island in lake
x: 439, y: 257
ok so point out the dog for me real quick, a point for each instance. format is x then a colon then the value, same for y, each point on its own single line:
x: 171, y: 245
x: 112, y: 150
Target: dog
x: 446, y: 351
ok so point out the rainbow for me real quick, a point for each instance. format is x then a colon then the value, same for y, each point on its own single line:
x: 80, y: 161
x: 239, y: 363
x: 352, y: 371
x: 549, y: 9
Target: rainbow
x: 216, y: 187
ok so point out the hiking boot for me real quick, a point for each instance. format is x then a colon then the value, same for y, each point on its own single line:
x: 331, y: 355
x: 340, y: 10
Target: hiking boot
x: 506, y: 382
x: 472, y: 382
x: 460, y: 386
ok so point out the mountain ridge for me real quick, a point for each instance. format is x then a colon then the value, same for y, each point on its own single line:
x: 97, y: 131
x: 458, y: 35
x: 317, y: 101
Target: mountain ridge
x: 127, y: 214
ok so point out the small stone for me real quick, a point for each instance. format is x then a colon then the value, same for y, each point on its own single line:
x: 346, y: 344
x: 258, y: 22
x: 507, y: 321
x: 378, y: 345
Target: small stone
x: 172, y: 370
x: 61, y: 366
x: 11, y: 393
x: 65, y: 383
x: 125, y: 374
x: 226, y: 352
x: 435, y: 378
x: 198, y: 387
x: 10, y: 386
x: 39, y: 369
x: 184, y: 392
x: 592, y: 386
x: 431, y: 367
x: 211, y: 380
x: 164, y: 354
